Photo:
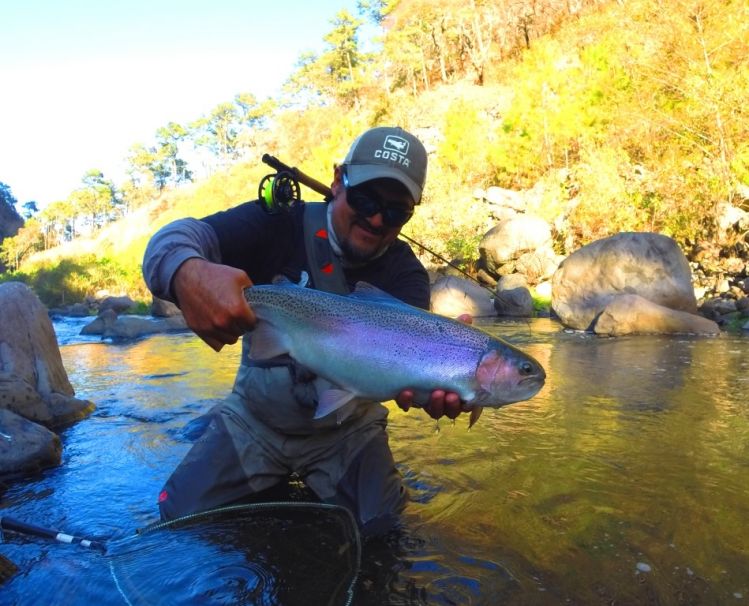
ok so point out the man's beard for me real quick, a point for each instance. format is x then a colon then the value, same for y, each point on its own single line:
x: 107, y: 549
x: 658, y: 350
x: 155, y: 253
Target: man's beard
x: 356, y: 256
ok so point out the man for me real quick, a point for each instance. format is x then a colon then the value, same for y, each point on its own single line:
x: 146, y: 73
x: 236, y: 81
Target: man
x: 264, y: 431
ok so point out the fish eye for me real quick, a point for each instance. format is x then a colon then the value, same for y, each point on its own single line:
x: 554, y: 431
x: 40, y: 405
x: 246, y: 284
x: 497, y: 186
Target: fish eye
x: 526, y: 368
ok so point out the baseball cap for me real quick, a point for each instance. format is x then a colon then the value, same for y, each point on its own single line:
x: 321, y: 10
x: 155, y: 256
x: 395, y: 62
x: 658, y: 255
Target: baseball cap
x: 388, y: 152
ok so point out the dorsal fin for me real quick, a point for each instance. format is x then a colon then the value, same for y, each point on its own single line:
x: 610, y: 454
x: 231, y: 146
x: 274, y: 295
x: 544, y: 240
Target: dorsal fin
x: 368, y: 292
x: 281, y: 280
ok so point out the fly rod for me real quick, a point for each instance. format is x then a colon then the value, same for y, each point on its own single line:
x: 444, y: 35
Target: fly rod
x: 278, y: 192
x: 10, y: 524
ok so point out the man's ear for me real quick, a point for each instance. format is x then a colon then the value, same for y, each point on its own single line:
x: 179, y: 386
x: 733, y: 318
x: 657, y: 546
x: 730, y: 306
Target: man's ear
x: 337, y: 183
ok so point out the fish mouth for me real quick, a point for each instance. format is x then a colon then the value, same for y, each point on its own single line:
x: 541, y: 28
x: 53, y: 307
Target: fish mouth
x: 524, y: 389
x: 527, y: 387
x: 532, y: 381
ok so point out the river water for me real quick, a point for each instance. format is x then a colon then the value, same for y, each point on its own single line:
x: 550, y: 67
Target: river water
x: 625, y: 481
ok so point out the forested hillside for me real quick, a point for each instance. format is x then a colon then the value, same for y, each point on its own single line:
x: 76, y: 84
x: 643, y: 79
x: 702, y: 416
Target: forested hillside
x: 10, y: 220
x: 619, y: 116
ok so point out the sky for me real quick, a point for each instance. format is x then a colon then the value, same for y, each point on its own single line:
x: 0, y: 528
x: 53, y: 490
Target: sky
x: 81, y: 81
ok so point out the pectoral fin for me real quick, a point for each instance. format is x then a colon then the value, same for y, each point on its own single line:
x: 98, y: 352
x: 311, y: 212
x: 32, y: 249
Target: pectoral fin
x: 267, y: 342
x: 331, y: 400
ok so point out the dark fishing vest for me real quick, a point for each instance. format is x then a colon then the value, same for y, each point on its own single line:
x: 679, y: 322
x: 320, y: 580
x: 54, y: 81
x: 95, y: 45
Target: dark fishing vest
x: 324, y: 264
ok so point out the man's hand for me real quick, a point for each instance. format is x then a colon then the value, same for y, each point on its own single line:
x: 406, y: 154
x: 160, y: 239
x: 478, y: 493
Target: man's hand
x: 441, y: 403
x: 212, y: 302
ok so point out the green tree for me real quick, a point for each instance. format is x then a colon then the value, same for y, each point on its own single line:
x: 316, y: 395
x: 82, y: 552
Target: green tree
x: 691, y: 79
x: 254, y: 118
x: 30, y: 208
x: 218, y: 132
x: 421, y: 42
x: 337, y: 75
x: 147, y: 168
x: 96, y: 200
x: 343, y: 59
x: 167, y: 154
x: 8, y: 200
x: 58, y: 223
x: 464, y: 149
x: 405, y: 59
x: 29, y: 239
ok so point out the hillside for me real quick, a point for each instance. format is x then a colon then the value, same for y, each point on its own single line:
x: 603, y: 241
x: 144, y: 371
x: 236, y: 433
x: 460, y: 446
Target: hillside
x: 608, y: 133
x: 10, y: 220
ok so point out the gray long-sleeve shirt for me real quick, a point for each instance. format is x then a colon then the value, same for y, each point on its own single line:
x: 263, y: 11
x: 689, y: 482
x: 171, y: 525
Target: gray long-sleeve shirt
x: 171, y: 246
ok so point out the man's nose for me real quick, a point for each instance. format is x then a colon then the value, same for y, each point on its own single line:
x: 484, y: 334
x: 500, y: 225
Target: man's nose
x: 376, y: 220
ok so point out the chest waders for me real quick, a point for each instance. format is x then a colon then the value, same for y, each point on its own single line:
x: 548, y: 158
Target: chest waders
x: 265, y: 429
x: 266, y: 385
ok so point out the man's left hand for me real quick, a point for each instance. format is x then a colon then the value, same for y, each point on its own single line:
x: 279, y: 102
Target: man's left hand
x: 441, y: 403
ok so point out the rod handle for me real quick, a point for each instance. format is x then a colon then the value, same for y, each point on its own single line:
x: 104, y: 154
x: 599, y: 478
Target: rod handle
x: 12, y: 524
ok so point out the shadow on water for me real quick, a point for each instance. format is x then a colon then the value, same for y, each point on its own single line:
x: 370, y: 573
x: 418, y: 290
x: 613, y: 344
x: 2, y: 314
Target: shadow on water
x: 624, y: 481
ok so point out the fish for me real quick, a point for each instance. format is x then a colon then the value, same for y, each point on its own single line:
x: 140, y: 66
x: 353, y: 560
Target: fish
x: 368, y: 344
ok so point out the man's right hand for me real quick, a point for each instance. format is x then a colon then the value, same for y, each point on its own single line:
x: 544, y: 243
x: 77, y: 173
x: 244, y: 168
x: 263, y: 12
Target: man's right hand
x: 212, y: 301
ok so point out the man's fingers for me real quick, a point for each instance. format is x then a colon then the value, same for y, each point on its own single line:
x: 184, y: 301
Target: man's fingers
x: 441, y: 403
x: 218, y: 337
x: 436, y: 406
x: 215, y: 344
x: 211, y: 298
x: 452, y: 405
x: 405, y: 399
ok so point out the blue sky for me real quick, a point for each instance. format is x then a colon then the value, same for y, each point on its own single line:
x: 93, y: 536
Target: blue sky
x: 82, y: 80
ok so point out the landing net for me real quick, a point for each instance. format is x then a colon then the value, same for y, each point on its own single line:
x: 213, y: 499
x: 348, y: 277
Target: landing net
x: 264, y: 554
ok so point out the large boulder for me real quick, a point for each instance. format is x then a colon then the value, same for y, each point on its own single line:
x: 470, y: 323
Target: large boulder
x: 161, y: 308
x: 33, y: 381
x: 35, y: 393
x: 511, y: 238
x: 513, y: 298
x: 453, y: 297
x: 118, y: 304
x: 645, y: 264
x: 522, y: 245
x: 18, y: 396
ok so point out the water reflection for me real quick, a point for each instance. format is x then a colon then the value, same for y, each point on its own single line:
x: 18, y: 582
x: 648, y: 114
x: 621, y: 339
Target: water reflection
x: 624, y: 481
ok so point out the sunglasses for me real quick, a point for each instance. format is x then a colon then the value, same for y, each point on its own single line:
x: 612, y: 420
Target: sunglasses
x: 363, y: 204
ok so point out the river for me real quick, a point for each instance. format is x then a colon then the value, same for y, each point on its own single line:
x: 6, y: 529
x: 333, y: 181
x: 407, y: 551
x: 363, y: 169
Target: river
x: 624, y: 481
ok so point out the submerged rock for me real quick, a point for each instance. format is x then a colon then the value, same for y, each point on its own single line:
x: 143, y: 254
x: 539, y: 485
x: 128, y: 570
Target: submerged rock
x: 26, y: 447
x: 111, y: 326
x: 632, y: 314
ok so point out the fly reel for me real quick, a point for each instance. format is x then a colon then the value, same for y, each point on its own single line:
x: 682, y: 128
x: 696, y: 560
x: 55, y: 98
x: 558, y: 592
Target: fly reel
x: 277, y: 193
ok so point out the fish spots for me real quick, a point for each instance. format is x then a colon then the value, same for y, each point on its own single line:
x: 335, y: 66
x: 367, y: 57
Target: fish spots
x: 337, y: 337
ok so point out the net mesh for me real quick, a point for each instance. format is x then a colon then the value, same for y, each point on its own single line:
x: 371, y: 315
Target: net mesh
x: 264, y: 554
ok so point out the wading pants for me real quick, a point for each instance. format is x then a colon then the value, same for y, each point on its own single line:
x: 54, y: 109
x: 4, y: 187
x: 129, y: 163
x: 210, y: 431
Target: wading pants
x: 238, y: 458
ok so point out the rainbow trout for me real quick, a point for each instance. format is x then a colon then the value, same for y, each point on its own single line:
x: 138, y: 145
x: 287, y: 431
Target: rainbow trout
x: 370, y: 345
